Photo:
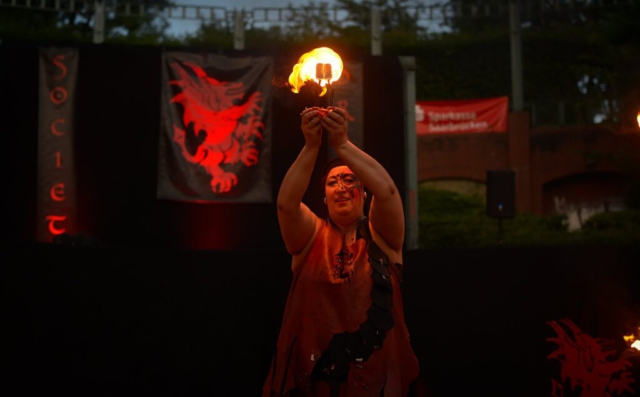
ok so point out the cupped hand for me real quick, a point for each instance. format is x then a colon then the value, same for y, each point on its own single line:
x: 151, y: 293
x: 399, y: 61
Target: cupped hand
x: 335, y: 124
x: 311, y: 128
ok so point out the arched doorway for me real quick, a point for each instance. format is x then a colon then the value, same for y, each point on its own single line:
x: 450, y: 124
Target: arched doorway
x: 581, y: 196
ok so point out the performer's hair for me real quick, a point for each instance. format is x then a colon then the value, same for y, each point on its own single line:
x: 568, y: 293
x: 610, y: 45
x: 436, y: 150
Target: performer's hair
x: 331, y: 164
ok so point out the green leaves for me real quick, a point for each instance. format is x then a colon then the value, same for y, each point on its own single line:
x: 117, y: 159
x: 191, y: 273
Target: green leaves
x: 451, y: 220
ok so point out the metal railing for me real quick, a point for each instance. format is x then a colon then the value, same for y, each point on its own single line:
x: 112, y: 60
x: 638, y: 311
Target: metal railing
x: 283, y: 15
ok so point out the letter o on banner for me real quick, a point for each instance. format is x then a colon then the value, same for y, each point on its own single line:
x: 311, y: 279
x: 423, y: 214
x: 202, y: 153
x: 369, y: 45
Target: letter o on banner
x: 58, y: 95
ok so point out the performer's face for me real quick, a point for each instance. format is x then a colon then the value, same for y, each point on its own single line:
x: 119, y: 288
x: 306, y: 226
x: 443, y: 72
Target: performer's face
x: 344, y: 192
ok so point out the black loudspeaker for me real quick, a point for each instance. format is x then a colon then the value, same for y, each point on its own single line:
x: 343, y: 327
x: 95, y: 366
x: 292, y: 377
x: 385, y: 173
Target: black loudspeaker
x: 501, y: 193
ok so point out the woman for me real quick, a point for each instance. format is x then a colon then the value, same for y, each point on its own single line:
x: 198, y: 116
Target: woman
x: 343, y: 331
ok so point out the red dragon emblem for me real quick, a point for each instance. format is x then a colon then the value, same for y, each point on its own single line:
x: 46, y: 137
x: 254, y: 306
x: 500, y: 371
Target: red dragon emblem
x: 587, y: 369
x: 225, y: 124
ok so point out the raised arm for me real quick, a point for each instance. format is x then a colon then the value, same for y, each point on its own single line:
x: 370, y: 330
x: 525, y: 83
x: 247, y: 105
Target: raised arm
x: 386, y: 214
x: 297, y: 221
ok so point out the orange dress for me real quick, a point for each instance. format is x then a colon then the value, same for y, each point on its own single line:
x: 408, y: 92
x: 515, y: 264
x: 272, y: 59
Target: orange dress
x: 343, y: 331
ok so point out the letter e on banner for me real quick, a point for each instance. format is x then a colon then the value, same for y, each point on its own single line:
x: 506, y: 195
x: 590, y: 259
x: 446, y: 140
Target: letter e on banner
x: 57, y: 192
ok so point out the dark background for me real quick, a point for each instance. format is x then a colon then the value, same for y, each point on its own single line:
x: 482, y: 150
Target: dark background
x: 166, y: 298
x: 117, y: 129
x: 105, y: 321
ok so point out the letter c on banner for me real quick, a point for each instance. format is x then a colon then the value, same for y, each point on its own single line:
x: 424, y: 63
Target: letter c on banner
x: 57, y: 192
x: 58, y: 95
x: 52, y: 227
x: 54, y: 127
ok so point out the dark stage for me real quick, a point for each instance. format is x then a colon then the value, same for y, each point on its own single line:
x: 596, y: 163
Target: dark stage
x: 101, y: 321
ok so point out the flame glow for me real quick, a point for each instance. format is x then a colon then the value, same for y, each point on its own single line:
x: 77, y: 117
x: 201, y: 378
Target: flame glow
x: 632, y: 341
x: 638, y: 118
x: 307, y: 69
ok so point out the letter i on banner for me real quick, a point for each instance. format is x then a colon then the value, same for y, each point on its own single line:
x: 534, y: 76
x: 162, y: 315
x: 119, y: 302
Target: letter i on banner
x: 56, y: 212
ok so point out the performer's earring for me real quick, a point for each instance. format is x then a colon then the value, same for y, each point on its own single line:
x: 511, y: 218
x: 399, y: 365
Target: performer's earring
x: 325, y: 201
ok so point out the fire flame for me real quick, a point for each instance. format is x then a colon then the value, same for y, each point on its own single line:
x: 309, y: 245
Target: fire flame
x: 632, y: 341
x: 322, y: 65
x: 638, y: 118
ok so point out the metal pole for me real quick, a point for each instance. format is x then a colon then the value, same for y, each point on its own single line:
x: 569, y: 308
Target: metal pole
x: 98, y: 22
x: 516, y: 56
x: 376, y: 36
x: 238, y: 30
x: 410, y: 153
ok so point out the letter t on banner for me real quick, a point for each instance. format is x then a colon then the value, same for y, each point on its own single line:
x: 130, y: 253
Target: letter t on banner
x: 56, y: 171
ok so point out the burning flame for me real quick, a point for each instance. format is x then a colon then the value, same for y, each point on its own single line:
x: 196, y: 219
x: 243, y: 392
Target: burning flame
x: 631, y: 341
x: 638, y: 118
x: 322, y: 65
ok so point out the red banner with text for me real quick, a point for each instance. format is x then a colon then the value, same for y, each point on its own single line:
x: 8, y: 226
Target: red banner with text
x: 215, y: 138
x: 56, y: 173
x: 462, y: 116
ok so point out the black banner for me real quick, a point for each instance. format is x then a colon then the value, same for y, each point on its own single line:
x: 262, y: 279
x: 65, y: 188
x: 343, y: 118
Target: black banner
x: 215, y: 132
x: 56, y: 172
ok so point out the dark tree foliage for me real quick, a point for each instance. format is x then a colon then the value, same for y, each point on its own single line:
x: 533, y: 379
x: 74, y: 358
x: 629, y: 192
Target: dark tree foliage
x: 578, y: 56
x: 478, y: 15
x: 473, y: 16
x: 76, y: 24
x: 394, y: 14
